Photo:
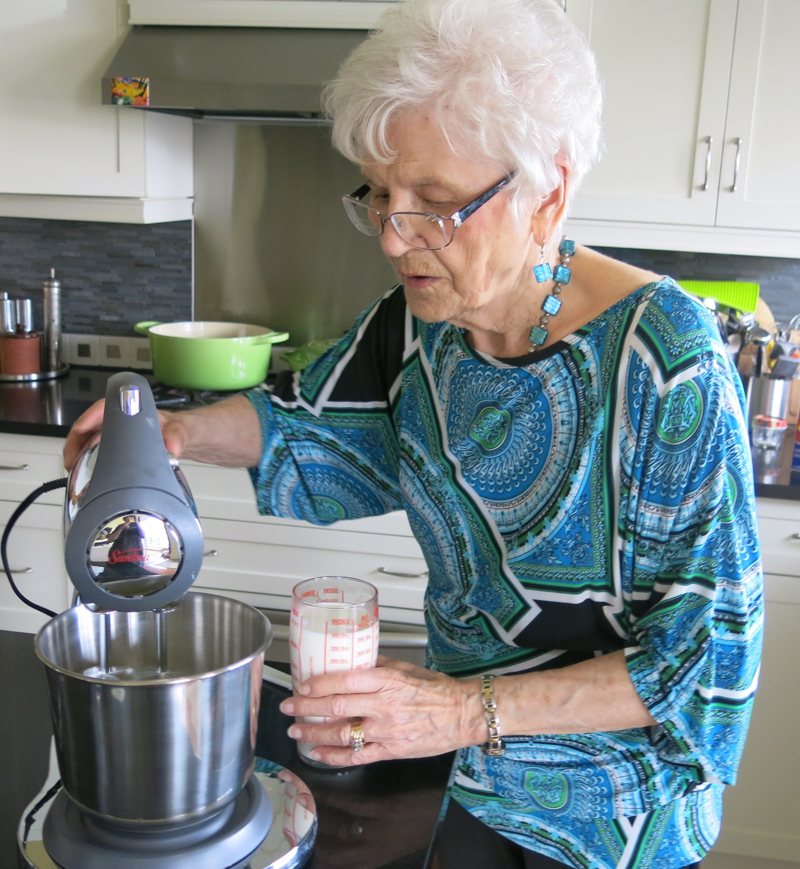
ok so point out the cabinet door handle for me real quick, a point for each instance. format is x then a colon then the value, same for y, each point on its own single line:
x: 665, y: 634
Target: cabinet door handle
x: 737, y: 162
x: 23, y: 570
x: 15, y: 468
x: 210, y: 552
x: 794, y: 536
x: 387, y: 572
x: 708, y: 140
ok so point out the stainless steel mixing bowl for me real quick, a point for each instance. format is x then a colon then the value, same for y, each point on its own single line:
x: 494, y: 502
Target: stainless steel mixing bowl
x: 155, y: 715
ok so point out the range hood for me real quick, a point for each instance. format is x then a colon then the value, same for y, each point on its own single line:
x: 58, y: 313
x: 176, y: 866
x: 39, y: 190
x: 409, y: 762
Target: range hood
x: 239, y: 73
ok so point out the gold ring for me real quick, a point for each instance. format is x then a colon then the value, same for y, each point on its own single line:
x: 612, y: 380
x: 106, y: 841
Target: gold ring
x: 356, y: 736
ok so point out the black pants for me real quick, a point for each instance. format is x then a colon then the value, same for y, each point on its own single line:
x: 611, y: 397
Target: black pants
x: 467, y: 843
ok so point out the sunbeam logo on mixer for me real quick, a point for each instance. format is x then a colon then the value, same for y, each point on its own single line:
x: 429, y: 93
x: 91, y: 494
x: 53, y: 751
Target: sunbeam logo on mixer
x: 128, y: 556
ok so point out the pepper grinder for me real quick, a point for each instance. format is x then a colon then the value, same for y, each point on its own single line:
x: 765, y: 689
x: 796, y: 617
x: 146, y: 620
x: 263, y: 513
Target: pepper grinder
x: 51, y: 354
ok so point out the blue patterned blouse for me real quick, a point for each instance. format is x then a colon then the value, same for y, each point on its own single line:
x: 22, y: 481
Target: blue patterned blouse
x: 593, y: 497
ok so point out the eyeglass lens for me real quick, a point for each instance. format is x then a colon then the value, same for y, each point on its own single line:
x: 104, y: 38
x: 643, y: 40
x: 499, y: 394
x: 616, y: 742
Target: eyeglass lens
x: 426, y: 231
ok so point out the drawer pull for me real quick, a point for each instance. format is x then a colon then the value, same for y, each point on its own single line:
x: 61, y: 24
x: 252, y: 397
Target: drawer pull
x: 15, y: 467
x: 23, y: 570
x: 795, y: 536
x: 387, y: 572
x: 210, y: 553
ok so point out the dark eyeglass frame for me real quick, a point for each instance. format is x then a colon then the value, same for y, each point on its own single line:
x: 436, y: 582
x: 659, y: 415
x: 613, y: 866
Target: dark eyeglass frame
x: 456, y: 219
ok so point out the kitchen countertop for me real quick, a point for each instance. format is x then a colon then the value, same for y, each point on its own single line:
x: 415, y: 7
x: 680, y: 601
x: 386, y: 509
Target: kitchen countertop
x: 382, y: 815
x: 49, y: 409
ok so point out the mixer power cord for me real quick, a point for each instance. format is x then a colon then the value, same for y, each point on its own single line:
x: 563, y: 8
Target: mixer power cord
x: 45, y: 487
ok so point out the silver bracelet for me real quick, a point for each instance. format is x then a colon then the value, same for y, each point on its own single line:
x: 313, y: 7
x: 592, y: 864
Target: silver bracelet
x: 495, y: 747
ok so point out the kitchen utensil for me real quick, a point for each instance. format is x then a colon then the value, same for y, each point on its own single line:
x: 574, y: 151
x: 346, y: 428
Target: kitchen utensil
x: 333, y: 626
x: 155, y: 713
x: 19, y: 353
x: 51, y: 351
x: 210, y: 355
x: 767, y: 435
x: 133, y: 541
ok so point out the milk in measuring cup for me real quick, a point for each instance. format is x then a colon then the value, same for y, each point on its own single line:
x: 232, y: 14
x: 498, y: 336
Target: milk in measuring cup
x: 337, y: 646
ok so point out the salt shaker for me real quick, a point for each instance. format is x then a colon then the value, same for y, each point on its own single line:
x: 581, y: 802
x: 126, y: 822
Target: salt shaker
x: 51, y: 354
x: 24, y: 316
x: 8, y: 314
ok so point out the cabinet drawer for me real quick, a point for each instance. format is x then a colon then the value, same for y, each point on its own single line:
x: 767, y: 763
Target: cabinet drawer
x: 780, y: 546
x: 23, y: 471
x: 275, y: 568
x: 305, y: 536
x: 37, y: 557
x: 227, y: 493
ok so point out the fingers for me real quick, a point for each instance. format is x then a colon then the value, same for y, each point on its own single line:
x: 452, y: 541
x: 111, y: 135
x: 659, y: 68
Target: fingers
x: 351, y: 682
x: 325, y: 733
x: 174, y: 433
x: 90, y: 423
x: 87, y: 424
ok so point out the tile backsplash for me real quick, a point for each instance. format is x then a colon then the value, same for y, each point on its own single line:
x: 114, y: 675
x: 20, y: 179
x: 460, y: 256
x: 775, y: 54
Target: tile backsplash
x: 112, y: 275
x: 778, y: 278
x: 115, y: 275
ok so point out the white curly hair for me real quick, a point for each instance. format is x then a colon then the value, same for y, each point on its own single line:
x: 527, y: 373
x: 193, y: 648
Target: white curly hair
x: 511, y: 82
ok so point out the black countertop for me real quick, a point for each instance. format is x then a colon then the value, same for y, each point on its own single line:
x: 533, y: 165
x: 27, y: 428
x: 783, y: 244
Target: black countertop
x: 50, y: 408
x: 382, y: 815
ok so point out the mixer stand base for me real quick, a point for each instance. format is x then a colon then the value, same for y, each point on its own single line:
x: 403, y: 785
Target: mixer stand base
x: 272, y: 794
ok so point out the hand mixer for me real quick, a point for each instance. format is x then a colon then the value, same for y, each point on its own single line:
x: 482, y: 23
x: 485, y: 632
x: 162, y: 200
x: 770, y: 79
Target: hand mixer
x: 154, y: 690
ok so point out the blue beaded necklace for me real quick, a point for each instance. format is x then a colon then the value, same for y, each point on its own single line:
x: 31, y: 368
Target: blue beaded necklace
x: 552, y: 304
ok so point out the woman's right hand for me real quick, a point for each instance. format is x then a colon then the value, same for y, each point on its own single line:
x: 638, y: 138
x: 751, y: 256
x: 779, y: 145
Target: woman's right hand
x: 91, y: 422
x: 226, y: 433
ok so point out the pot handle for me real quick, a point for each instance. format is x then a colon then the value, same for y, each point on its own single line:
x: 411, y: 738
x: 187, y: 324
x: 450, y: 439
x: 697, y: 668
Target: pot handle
x: 271, y: 338
x: 144, y: 327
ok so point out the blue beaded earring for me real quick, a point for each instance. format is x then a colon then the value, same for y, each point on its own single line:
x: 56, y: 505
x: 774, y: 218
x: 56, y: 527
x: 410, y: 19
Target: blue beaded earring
x: 552, y: 304
x: 542, y: 272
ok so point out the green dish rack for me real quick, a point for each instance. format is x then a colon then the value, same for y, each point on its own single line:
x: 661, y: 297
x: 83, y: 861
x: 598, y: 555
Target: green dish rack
x: 740, y: 295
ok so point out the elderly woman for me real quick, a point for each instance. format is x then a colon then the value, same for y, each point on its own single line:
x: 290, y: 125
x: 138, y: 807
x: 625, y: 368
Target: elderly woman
x: 565, y: 433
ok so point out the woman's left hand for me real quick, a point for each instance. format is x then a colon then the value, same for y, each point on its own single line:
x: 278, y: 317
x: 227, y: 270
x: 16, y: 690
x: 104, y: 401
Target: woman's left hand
x: 405, y: 711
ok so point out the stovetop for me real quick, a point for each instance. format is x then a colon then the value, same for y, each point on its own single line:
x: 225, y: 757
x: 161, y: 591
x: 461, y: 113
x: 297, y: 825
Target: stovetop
x: 173, y: 397
x: 49, y: 408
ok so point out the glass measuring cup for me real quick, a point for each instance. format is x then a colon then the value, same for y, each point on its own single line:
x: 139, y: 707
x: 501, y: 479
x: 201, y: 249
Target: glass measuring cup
x: 333, y: 626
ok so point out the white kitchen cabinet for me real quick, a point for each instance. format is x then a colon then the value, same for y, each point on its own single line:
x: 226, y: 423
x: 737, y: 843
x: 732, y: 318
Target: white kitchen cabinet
x: 79, y: 158
x: 763, y: 124
x: 760, y: 813
x: 36, y: 543
x: 261, y: 558
x: 355, y: 14
x: 665, y: 66
x: 688, y: 84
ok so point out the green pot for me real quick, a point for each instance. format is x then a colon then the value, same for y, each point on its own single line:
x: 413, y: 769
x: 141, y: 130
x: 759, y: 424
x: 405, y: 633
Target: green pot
x: 208, y: 355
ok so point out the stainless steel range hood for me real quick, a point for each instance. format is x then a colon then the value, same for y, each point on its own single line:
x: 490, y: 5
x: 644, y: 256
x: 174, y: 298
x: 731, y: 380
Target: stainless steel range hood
x: 259, y: 73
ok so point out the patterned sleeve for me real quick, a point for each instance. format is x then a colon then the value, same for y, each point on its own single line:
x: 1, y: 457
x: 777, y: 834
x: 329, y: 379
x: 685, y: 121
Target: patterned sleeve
x: 690, y: 542
x: 329, y: 444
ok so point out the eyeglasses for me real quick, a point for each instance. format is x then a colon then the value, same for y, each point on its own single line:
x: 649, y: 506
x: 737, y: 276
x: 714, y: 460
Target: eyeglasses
x: 420, y: 229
